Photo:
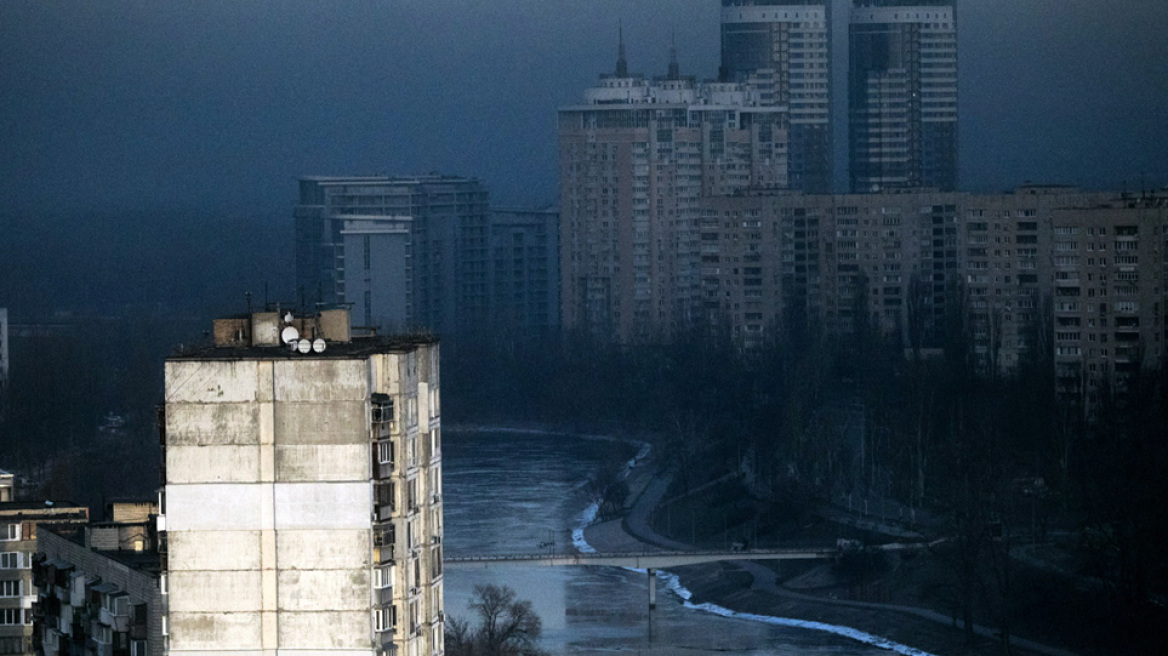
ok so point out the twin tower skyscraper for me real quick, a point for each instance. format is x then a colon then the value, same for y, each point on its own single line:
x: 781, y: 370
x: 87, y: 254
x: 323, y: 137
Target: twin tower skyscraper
x: 641, y: 159
x: 902, y: 86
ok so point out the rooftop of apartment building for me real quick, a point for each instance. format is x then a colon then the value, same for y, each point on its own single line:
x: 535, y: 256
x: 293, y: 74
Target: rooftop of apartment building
x: 149, y: 562
x: 404, y: 179
x: 43, y: 510
x: 285, y: 336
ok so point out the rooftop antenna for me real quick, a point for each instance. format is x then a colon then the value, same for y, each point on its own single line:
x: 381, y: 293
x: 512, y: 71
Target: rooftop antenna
x: 247, y: 295
x: 674, y: 69
x: 622, y: 66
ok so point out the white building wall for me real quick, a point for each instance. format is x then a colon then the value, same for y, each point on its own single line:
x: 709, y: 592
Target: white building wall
x: 269, y: 500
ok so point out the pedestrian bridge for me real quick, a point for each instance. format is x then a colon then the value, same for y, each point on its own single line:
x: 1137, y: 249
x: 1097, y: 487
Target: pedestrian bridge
x: 645, y: 559
x: 650, y: 561
x: 654, y: 560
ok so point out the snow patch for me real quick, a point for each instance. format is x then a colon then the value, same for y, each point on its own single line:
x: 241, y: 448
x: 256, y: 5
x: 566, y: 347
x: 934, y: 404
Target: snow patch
x: 673, y: 583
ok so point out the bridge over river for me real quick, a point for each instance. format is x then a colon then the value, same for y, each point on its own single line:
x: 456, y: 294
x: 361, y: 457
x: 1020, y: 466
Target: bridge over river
x: 654, y: 560
x: 646, y: 560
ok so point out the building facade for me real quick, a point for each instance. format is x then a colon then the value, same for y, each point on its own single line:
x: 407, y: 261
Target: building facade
x: 525, y: 258
x: 902, y: 95
x: 782, y: 49
x: 20, y: 522
x: 1110, y: 305
x: 403, y: 253
x: 107, y: 602
x: 302, y: 504
x: 1004, y: 273
x: 634, y: 161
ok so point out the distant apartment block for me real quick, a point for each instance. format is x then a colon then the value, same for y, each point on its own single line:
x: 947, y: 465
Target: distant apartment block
x: 20, y: 523
x: 303, y: 491
x: 782, y: 49
x: 524, y: 260
x: 1013, y: 267
x: 7, y: 486
x: 402, y: 252
x: 1110, y: 296
x: 99, y: 586
x: 902, y: 95
x: 635, y: 159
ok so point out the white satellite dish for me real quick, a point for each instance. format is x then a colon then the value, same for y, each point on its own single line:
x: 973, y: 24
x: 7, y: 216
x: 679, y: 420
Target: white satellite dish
x: 289, y: 335
x: 318, y: 345
x: 292, y: 345
x: 288, y: 318
x: 304, y: 346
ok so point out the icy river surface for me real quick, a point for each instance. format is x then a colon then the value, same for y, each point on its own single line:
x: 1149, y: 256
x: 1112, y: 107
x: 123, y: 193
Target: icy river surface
x: 516, y: 493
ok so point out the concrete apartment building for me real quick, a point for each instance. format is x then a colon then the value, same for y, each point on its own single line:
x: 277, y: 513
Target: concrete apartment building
x: 1110, y: 305
x: 902, y: 95
x: 97, y: 593
x: 302, y: 503
x: 903, y: 259
x: 525, y: 285
x: 782, y: 49
x: 634, y: 161
x: 20, y: 523
x: 402, y: 252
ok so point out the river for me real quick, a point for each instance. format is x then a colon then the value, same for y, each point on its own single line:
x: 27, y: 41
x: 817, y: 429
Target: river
x: 514, y: 493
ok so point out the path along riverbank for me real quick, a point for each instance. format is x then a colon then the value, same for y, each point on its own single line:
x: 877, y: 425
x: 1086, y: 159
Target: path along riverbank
x: 749, y: 590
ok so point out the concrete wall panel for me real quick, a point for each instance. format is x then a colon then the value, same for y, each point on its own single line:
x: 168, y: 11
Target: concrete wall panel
x: 345, y: 462
x: 342, y: 422
x: 192, y: 424
x: 224, y: 592
x: 232, y: 652
x: 321, y: 381
x: 206, y: 631
x: 323, y: 505
x: 323, y: 549
x: 213, y: 507
x: 213, y: 550
x: 313, y: 590
x: 326, y: 630
x: 212, y: 464
x: 218, y: 381
x: 332, y: 652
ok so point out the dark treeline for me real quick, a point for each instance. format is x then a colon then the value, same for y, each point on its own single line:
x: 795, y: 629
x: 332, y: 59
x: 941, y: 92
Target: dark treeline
x: 990, y: 462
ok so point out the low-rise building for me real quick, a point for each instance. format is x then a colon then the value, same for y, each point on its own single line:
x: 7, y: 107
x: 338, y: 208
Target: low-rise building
x: 20, y: 523
x: 105, y: 602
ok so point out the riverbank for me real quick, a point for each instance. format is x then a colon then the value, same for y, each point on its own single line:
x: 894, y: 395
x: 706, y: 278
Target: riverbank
x: 750, y: 590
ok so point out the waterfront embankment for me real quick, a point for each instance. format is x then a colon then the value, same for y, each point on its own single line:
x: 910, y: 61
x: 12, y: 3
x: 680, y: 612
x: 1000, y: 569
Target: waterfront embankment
x: 751, y: 590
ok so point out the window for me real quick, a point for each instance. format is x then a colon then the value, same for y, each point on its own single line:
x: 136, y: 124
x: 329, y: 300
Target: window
x: 12, y: 616
x: 9, y: 532
x: 10, y: 588
x: 385, y: 452
x: 11, y: 560
x: 384, y: 619
x: 383, y: 577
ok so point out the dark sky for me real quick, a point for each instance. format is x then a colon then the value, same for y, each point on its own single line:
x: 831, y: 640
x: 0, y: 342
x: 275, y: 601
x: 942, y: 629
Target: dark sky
x: 220, y: 104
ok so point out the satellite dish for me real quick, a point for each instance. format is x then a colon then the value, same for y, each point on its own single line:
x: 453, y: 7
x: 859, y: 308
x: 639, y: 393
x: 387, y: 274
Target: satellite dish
x: 318, y: 345
x: 292, y: 344
x: 289, y: 335
x: 304, y: 346
x: 288, y: 318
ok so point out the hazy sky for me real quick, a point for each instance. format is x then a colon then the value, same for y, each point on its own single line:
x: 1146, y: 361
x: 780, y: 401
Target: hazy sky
x: 222, y: 103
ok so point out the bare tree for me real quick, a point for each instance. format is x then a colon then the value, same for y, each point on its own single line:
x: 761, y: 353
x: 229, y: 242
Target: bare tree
x: 507, y: 626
